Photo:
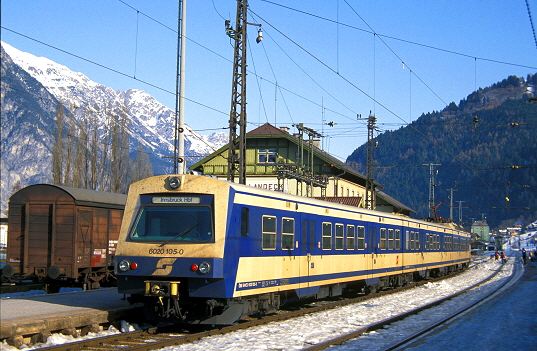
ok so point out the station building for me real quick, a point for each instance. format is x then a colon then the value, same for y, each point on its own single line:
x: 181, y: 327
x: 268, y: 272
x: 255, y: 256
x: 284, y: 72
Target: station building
x: 293, y: 163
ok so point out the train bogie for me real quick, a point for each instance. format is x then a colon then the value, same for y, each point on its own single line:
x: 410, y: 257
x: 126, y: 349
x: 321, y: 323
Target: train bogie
x: 202, y: 250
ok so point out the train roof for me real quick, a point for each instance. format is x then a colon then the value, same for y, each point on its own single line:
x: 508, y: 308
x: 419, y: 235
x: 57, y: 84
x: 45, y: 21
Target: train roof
x: 81, y: 197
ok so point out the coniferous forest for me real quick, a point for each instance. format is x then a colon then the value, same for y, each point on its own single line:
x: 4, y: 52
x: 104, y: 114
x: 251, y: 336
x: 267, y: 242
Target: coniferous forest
x: 484, y: 148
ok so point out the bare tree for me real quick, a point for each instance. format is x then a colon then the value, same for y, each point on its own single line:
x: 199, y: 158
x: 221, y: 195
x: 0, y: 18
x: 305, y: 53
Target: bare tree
x: 93, y: 150
x: 68, y: 154
x: 57, y: 149
x: 80, y: 169
x: 103, y: 175
x: 142, y: 165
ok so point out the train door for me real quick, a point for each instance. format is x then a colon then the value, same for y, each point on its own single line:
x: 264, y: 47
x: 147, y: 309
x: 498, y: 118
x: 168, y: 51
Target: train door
x: 306, y: 249
x: 39, y: 238
x: 84, y: 237
x: 373, y: 247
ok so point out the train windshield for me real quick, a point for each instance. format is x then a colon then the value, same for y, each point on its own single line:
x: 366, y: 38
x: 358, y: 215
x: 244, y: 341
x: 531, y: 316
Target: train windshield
x: 173, y: 223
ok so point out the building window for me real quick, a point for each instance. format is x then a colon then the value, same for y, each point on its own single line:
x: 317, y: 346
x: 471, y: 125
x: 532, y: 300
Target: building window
x: 266, y: 155
x: 269, y: 232
x: 288, y: 233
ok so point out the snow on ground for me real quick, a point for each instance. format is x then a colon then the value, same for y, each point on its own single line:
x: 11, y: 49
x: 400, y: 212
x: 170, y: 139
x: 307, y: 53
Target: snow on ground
x: 35, y: 293
x: 313, y: 328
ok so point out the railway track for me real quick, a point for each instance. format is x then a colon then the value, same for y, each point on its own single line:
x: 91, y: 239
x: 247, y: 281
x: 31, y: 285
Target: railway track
x: 437, y: 319
x: 10, y: 288
x: 165, y: 336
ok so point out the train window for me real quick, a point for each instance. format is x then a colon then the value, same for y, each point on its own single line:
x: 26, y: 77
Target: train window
x: 327, y: 236
x: 350, y: 237
x: 269, y: 232
x: 391, y: 239
x: 312, y: 235
x: 398, y: 239
x: 288, y: 233
x: 373, y: 237
x: 266, y: 155
x: 360, y: 242
x: 407, y: 240
x: 414, y: 240
x: 245, y: 218
x: 304, y: 234
x: 382, y: 239
x: 173, y: 223
x: 339, y: 236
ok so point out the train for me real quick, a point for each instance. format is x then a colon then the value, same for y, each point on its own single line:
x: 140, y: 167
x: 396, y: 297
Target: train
x: 195, y: 249
x: 62, y: 236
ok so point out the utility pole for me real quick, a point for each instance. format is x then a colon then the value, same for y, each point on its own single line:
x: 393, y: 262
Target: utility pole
x: 237, y: 143
x: 237, y: 115
x: 370, y: 198
x: 179, y: 153
x: 451, y: 203
x: 460, y: 212
x: 431, y: 186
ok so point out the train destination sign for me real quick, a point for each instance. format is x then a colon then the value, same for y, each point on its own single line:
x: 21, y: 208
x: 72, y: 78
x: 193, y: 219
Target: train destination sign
x: 176, y: 200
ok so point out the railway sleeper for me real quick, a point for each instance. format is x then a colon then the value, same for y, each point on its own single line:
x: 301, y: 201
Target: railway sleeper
x: 19, y: 341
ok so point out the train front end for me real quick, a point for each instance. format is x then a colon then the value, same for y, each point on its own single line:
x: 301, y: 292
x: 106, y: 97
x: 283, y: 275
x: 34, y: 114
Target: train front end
x: 170, y: 250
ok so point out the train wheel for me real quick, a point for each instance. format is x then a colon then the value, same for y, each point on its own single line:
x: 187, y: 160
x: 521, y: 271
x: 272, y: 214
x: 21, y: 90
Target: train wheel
x: 150, y: 314
x: 371, y: 289
x: 52, y: 288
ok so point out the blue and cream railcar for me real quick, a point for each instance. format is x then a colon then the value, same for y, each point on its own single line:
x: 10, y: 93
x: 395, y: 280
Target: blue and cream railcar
x: 208, y: 251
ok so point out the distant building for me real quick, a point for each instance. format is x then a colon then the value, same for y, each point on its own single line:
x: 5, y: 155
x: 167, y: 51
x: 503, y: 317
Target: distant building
x: 279, y: 161
x: 480, y: 231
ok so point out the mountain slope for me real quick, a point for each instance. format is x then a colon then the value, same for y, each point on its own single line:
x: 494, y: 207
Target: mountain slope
x: 32, y: 90
x: 27, y: 116
x: 473, y: 158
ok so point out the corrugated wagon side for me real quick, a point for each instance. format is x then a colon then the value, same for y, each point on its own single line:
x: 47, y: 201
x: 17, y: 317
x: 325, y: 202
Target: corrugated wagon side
x: 63, y: 236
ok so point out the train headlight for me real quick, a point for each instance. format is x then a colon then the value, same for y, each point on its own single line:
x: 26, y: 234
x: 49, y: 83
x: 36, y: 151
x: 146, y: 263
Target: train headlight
x: 174, y: 182
x: 204, y: 267
x: 124, y: 265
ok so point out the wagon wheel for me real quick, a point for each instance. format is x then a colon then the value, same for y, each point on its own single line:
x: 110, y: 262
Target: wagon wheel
x: 89, y: 284
x: 52, y: 288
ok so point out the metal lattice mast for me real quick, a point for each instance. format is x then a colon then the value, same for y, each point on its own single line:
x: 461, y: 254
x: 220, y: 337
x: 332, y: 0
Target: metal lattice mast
x: 237, y: 142
x: 432, y: 184
x: 370, y: 200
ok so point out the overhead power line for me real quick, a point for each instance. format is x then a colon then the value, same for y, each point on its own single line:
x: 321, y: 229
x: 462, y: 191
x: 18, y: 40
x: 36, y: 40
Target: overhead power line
x: 403, y: 40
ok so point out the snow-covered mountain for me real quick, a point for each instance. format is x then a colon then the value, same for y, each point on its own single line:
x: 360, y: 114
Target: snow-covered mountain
x: 32, y: 88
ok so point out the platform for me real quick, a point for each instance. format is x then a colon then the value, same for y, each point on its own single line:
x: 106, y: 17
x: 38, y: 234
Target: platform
x: 23, y: 316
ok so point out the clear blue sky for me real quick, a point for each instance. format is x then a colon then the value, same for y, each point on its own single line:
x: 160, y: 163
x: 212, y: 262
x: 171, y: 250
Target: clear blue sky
x: 328, y: 64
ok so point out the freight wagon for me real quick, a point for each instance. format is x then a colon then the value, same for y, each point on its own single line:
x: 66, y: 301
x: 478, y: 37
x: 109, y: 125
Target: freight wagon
x: 63, y: 236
